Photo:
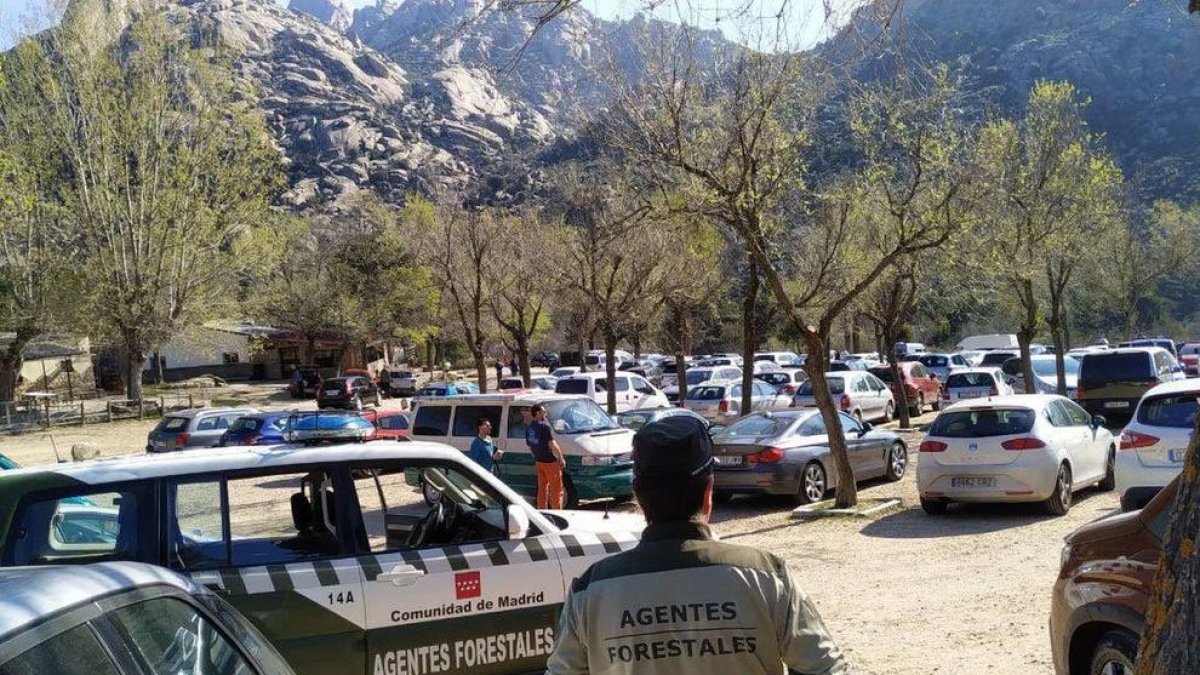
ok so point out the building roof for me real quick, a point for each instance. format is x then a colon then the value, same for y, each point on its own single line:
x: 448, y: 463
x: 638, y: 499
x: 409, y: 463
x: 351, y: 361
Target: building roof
x: 48, y: 346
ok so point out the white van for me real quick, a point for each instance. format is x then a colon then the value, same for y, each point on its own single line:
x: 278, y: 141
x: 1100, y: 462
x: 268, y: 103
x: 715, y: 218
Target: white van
x: 634, y: 392
x: 598, y: 451
x: 989, y: 342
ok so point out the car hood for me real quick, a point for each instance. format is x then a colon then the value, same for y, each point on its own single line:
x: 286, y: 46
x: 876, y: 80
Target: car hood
x: 610, y: 442
x: 1108, y: 527
x: 597, y: 522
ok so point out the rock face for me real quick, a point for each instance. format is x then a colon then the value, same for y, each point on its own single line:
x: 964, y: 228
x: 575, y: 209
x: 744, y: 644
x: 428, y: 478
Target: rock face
x: 331, y: 12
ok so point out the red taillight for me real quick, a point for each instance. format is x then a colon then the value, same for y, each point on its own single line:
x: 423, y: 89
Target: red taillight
x: 1023, y: 444
x: 1132, y: 440
x: 181, y: 440
x: 932, y: 446
x: 768, y: 456
x: 253, y: 439
x: 723, y: 407
x: 845, y: 402
x: 789, y: 389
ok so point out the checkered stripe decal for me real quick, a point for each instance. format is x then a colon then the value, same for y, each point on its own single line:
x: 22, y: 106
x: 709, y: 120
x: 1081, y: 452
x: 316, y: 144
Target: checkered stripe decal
x: 271, y: 578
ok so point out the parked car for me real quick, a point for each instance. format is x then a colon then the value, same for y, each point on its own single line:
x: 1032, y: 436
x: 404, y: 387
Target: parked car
x: 510, y: 384
x: 1098, y: 605
x: 993, y: 342
x: 970, y: 383
x: 1112, y: 382
x: 868, y: 359
x: 565, y: 371
x: 403, y: 383
x: 903, y: 348
x: 435, y: 389
x: 1189, y: 358
x: 307, y: 384
x: 972, y: 356
x: 1160, y: 341
x: 543, y: 382
x: 256, y: 429
x: 351, y: 393
x: 720, y: 401
x: 193, y: 428
x: 636, y: 419
x: 787, y: 453
x: 390, y: 425
x: 668, y: 376
x: 1154, y: 443
x: 545, y: 359
x: 857, y: 393
x: 997, y: 357
x: 781, y: 358
x: 1022, y: 448
x: 1045, y: 374
x: 942, y: 364
x: 633, y: 391
x: 787, y: 382
x: 838, y: 366
x: 701, y: 374
x: 921, y: 386
x: 309, y: 427
x: 123, y: 618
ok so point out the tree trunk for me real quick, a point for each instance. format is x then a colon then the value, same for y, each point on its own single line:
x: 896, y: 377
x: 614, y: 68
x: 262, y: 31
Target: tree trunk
x: 158, y: 369
x: 899, y: 391
x: 637, y: 346
x: 847, y: 489
x: 523, y: 360
x: 749, y: 340
x: 582, y: 347
x: 1171, y: 643
x: 610, y: 370
x: 1027, y: 331
x: 1057, y: 323
x: 11, y: 361
x: 429, y: 356
x: 135, y: 359
x: 481, y: 369
x: 310, y: 354
x: 683, y: 343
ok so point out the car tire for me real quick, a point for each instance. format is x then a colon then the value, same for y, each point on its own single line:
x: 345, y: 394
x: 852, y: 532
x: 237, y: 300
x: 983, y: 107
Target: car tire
x: 722, y: 497
x: 1059, y: 503
x: 888, y: 412
x: 814, y: 484
x: 1110, y: 472
x: 1114, y: 654
x: 934, y: 507
x: 897, y: 461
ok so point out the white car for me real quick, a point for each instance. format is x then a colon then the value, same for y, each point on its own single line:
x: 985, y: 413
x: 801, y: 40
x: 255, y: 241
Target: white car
x: 1155, y: 442
x: 969, y: 383
x: 565, y: 371
x: 633, y: 391
x: 1022, y: 448
x: 701, y: 374
x: 857, y: 393
x: 781, y: 358
x: 868, y: 359
x: 720, y: 401
x: 1045, y: 374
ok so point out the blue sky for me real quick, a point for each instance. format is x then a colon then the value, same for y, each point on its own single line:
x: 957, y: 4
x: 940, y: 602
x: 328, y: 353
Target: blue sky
x: 741, y: 20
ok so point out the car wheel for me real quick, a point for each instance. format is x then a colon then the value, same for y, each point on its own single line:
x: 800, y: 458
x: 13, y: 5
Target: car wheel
x: 722, y: 497
x: 1115, y: 654
x: 888, y: 412
x: 897, y: 461
x: 1110, y: 472
x: 1059, y: 502
x: 813, y: 484
x: 934, y: 507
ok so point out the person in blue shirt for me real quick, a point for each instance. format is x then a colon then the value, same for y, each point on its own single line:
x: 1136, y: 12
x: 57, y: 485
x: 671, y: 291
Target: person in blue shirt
x: 483, y: 451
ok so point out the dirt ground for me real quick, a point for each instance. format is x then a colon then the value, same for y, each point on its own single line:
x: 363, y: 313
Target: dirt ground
x: 963, y: 594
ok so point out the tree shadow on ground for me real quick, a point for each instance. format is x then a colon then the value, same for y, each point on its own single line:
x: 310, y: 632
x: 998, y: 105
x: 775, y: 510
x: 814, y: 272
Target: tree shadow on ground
x: 962, y: 520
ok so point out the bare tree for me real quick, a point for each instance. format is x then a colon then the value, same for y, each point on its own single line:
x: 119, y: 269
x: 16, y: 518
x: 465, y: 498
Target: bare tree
x: 521, y: 299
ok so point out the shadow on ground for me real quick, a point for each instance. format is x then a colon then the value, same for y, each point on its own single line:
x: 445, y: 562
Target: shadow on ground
x: 962, y: 520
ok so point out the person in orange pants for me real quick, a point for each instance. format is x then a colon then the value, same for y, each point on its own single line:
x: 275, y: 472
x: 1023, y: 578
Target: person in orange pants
x: 548, y: 458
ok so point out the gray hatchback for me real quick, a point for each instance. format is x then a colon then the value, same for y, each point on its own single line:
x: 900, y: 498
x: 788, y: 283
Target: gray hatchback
x: 194, y: 428
x: 787, y: 453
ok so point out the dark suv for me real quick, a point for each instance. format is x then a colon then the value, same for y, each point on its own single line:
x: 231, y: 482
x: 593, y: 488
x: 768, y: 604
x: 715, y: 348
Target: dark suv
x: 351, y: 393
x: 1112, y: 382
x: 545, y: 359
x: 1098, y: 610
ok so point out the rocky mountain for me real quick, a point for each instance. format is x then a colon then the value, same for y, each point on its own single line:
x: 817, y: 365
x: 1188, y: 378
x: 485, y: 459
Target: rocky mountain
x: 1132, y: 59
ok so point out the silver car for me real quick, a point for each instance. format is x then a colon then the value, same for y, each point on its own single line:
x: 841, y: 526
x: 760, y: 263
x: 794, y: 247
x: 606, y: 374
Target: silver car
x: 787, y: 453
x: 860, y: 394
x: 194, y: 428
x: 701, y: 375
x: 720, y: 401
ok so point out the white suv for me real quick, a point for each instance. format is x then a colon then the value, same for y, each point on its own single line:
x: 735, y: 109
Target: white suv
x: 633, y: 391
x: 1155, y: 442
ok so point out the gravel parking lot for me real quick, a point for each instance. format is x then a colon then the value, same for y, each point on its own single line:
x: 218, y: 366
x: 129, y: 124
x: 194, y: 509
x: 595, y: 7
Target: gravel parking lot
x: 905, y: 593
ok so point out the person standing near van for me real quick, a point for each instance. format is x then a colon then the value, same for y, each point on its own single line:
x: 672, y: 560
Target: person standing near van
x: 483, y: 451
x: 547, y: 456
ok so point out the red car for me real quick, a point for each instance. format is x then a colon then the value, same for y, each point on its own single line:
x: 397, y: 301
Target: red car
x: 921, y: 386
x: 390, y: 425
x: 1189, y: 358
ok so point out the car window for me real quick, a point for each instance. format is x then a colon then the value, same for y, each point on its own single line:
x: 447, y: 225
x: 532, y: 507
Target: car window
x: 758, y: 425
x: 1079, y: 416
x: 1057, y: 415
x: 706, y: 393
x: 83, y: 527
x: 850, y: 426
x: 432, y: 420
x: 172, y: 638
x: 982, y: 423
x: 172, y: 424
x: 861, y: 385
x: 735, y: 392
x: 243, y: 424
x: 572, y: 386
x: 622, y: 384
x: 466, y: 419
x: 600, y: 386
x: 1173, y: 410
x: 918, y: 370
x: 1099, y: 369
x: 642, y: 386
x: 400, y: 422
x: 577, y: 417
x: 73, y: 651
x: 964, y: 380
x: 876, y: 383
x: 837, y: 385
x: 211, y: 423
x: 883, y: 373
x: 813, y: 426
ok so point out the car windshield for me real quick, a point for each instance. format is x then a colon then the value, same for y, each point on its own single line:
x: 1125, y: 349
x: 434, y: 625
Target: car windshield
x: 1176, y: 411
x: 982, y: 423
x: 572, y: 386
x: 837, y: 385
x: 996, y: 358
x: 1122, y: 367
x: 775, y: 378
x: 173, y: 424
x: 706, y: 393
x: 246, y: 424
x: 592, y: 360
x: 935, y: 361
x: 698, y: 376
x: 669, y: 367
x: 959, y: 380
x: 759, y: 425
x: 578, y: 416
x: 1046, y: 367
x: 1189, y: 349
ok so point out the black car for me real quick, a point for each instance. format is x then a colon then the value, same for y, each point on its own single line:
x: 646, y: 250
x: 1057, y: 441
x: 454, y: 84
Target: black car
x: 545, y: 359
x: 351, y: 393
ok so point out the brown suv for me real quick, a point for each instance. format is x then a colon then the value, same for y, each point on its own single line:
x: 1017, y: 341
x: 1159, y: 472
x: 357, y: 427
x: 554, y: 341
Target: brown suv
x: 1099, y: 605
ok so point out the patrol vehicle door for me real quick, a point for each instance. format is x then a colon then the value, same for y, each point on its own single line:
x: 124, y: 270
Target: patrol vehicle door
x: 461, y: 586
x: 268, y: 542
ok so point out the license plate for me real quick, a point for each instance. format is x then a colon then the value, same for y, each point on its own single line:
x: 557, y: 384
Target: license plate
x: 972, y: 482
x: 732, y: 460
x: 1117, y: 404
x: 1177, y: 455
x: 332, y: 392
x: 970, y: 394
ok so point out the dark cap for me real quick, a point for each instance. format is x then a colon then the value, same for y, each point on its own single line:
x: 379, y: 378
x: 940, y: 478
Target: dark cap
x: 674, y: 449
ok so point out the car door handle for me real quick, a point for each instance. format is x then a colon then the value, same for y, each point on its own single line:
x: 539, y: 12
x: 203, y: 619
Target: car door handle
x: 402, y: 575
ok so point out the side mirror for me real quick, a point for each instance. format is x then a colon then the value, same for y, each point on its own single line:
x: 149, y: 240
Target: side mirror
x: 1136, y: 498
x: 866, y: 427
x: 518, y: 522
x: 1098, y: 421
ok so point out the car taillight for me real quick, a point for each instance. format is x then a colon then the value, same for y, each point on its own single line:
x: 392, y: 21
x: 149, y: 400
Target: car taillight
x: 844, y: 404
x: 181, y: 439
x: 789, y: 389
x: 1079, y: 392
x: 723, y: 407
x: 768, y: 456
x: 252, y: 439
x: 1132, y: 440
x: 932, y: 446
x: 1023, y: 444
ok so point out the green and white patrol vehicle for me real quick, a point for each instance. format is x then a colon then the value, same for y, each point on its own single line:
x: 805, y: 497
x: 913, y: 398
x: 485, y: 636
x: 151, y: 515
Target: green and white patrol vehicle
x: 331, y: 551
x: 599, y: 452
